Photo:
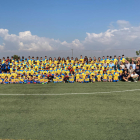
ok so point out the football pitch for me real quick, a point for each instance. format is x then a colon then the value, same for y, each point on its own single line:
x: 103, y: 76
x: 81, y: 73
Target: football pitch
x: 64, y: 111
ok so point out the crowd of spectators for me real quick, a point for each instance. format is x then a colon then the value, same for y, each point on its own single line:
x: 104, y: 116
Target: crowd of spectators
x: 39, y: 70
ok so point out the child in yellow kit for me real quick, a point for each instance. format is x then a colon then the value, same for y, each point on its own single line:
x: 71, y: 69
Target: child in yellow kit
x: 60, y: 80
x: 110, y: 77
x: 116, y: 76
x: 86, y: 79
x: 46, y: 80
x: 1, y: 81
x: 92, y: 78
x: 81, y: 79
x: 105, y: 76
x: 99, y: 77
x: 71, y: 79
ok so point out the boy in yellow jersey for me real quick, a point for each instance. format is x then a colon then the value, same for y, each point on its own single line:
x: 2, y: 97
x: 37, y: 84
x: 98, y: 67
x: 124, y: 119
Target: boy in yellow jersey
x: 55, y: 79
x: 1, y: 81
x: 36, y: 80
x: 99, y: 77
x: 45, y: 80
x: 120, y: 73
x: 8, y: 74
x: 101, y: 71
x: 32, y: 70
x: 92, y: 78
x: 112, y: 70
x: 108, y: 71
x: 81, y: 59
x: 105, y: 76
x: 3, y: 75
x: 36, y: 66
x: 21, y: 81
x: 86, y: 79
x: 123, y: 59
x: 39, y: 75
x: 107, y: 59
x: 6, y: 80
x: 71, y: 78
x: 110, y: 77
x: 115, y: 59
x: 14, y: 74
x: 60, y: 80
x: 103, y: 60
x: 81, y: 79
x: 16, y: 80
x: 116, y: 75
x: 41, y: 80
x: 12, y: 80
x: 77, y: 76
x: 83, y: 74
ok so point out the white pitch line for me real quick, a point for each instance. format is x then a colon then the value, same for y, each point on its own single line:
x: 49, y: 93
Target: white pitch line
x: 68, y: 93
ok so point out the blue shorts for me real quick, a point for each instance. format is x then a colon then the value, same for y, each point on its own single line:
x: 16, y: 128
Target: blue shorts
x: 71, y: 81
x: 115, y: 80
x: 6, y: 82
x: 29, y: 81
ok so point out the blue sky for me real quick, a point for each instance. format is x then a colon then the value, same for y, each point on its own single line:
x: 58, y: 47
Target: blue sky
x: 66, y: 20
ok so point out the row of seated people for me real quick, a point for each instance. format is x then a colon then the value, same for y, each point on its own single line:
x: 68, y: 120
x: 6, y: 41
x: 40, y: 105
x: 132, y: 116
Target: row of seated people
x: 69, y: 76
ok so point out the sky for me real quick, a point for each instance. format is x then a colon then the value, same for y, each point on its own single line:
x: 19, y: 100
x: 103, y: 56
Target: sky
x: 54, y: 27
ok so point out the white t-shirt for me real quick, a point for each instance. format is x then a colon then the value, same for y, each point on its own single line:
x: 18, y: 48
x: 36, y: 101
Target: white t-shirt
x: 132, y: 75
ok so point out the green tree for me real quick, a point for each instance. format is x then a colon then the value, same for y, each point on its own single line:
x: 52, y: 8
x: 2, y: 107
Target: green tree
x: 16, y: 57
x: 138, y: 52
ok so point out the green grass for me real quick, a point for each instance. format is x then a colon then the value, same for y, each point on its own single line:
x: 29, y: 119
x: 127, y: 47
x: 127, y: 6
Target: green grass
x: 101, y: 116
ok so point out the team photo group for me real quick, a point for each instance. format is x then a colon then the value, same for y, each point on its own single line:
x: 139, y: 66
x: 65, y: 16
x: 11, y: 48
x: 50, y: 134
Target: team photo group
x: 83, y: 70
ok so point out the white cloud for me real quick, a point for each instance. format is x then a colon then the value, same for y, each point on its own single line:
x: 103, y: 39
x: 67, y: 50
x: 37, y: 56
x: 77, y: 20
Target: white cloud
x: 126, y: 36
x: 1, y: 47
x: 123, y: 23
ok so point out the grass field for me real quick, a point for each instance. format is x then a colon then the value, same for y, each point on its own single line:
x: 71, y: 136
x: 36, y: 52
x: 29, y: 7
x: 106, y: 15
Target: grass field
x: 109, y: 112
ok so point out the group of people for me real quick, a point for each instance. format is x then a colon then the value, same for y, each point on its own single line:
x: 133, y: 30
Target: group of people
x: 82, y: 70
